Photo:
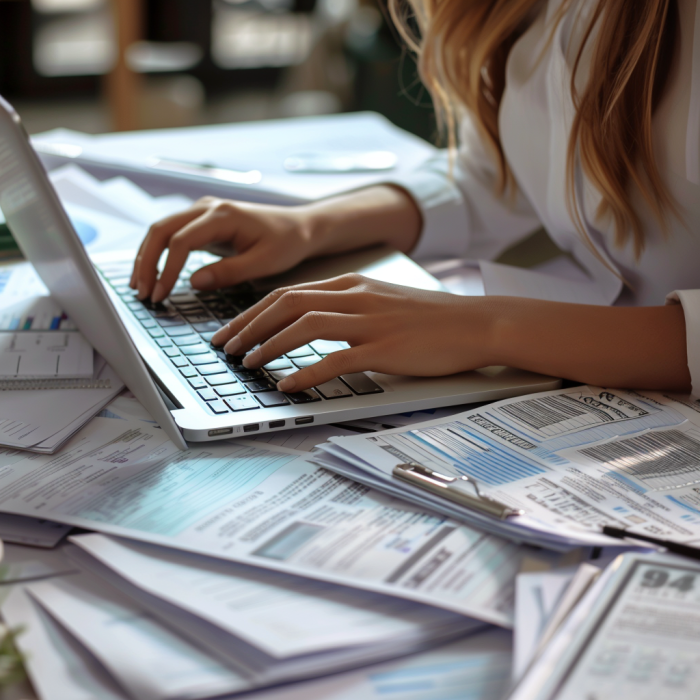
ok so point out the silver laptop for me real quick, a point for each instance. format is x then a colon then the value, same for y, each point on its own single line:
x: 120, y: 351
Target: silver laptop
x: 162, y: 351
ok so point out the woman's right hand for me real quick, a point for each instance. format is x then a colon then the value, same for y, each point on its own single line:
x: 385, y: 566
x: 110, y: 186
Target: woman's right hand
x: 267, y: 240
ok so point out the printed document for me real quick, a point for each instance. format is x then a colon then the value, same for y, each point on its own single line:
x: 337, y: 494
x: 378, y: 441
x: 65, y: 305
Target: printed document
x: 262, y: 505
x: 634, y: 636
x: 572, y: 460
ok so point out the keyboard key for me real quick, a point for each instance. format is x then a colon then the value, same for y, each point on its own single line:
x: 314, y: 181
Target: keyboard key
x: 247, y: 375
x: 303, y: 351
x: 207, y: 394
x: 280, y: 374
x: 142, y: 315
x: 197, y: 383
x: 196, y: 316
x: 361, y: 384
x: 164, y: 342
x: 335, y: 389
x: 149, y: 323
x: 135, y: 305
x: 272, y: 398
x: 188, y: 372
x: 258, y: 385
x: 228, y: 389
x: 279, y: 363
x: 124, y: 289
x: 241, y: 403
x: 171, y: 351
x: 206, y: 326
x: 197, y: 360
x: 183, y: 340
x: 221, y: 379
x: 170, y: 322
x: 217, y: 406
x: 208, y: 335
x: 179, y: 361
x: 308, y: 396
x: 179, y: 330
x: 155, y: 332
x: 302, y: 362
x: 213, y: 368
x: 200, y: 349
x: 326, y: 347
x: 182, y: 299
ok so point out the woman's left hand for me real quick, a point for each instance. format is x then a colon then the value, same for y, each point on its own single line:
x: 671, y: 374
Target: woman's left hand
x: 390, y: 329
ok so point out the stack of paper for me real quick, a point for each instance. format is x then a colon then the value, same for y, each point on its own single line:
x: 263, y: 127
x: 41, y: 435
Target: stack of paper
x: 139, y: 657
x: 571, y: 460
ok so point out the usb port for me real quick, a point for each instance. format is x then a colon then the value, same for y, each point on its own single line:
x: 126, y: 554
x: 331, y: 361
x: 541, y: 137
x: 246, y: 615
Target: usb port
x: 251, y: 428
x: 277, y: 424
x: 304, y: 420
x: 220, y: 431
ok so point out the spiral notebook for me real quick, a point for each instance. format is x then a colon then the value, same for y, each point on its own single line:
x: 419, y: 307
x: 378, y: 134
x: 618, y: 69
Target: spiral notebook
x: 50, y: 359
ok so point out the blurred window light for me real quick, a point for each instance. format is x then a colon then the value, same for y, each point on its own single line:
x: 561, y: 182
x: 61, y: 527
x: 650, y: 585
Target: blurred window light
x: 58, y: 6
x: 156, y: 57
x: 81, y: 45
x: 249, y: 39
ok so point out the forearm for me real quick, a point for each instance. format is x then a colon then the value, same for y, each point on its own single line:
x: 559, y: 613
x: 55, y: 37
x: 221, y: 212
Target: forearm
x: 636, y: 348
x: 380, y: 214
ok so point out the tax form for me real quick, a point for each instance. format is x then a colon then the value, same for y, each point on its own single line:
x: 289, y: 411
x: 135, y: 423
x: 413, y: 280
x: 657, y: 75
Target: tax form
x: 572, y: 460
x: 634, y: 636
x: 265, y: 506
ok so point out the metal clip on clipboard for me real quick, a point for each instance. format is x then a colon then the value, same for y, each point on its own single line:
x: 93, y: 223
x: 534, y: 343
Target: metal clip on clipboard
x: 450, y: 487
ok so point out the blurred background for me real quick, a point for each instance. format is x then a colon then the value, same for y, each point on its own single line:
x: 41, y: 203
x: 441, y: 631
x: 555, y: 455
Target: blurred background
x: 114, y: 65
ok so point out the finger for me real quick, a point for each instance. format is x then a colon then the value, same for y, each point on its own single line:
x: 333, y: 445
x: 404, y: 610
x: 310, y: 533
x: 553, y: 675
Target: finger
x: 197, y: 234
x: 255, y: 262
x: 332, y: 366
x: 156, y: 241
x: 230, y: 330
x: 289, y: 308
x: 311, y: 326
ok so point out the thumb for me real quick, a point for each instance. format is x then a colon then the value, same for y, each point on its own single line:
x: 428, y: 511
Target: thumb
x: 232, y: 270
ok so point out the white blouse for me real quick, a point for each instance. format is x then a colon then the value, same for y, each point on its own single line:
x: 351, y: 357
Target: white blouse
x: 462, y: 215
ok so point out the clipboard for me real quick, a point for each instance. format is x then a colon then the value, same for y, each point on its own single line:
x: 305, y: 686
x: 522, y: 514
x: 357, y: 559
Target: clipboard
x: 453, y: 489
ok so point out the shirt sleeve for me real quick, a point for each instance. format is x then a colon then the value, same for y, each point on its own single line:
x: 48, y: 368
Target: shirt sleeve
x: 462, y: 214
x: 690, y: 300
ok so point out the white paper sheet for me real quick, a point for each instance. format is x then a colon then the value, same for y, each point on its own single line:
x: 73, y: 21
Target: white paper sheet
x: 476, y: 668
x: 58, y: 666
x: 284, y: 616
x: 264, y: 507
x: 149, y: 660
x: 506, y: 280
x: 20, y: 529
x: 20, y: 563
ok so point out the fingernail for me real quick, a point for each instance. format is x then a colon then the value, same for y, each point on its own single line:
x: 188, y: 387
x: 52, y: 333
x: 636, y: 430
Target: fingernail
x: 142, y: 290
x: 158, y: 293
x: 287, y: 384
x: 203, y: 279
x: 252, y: 359
x: 233, y: 345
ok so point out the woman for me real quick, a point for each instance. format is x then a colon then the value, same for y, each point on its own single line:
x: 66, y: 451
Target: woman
x: 579, y: 115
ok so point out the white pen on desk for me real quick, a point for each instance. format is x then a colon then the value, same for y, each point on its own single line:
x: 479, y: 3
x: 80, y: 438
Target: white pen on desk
x: 239, y: 177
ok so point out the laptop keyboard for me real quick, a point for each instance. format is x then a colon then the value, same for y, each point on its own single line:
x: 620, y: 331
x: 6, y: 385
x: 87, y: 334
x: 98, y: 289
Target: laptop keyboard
x: 182, y: 327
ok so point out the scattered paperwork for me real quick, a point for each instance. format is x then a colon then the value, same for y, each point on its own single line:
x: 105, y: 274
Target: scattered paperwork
x: 283, y: 616
x: 262, y: 506
x: 635, y: 635
x: 44, y: 355
x: 572, y: 459
x: 202, y: 155
x: 20, y: 529
x: 62, y: 668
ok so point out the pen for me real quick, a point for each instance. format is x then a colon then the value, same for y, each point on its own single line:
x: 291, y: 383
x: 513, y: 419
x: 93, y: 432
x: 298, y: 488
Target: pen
x: 239, y: 177
x: 676, y: 547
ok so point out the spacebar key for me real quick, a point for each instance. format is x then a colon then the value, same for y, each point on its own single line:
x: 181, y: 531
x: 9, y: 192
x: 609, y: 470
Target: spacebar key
x: 361, y: 384
x: 335, y: 389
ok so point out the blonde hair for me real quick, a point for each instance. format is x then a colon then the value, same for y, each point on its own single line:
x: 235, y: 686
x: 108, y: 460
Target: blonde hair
x: 463, y: 46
